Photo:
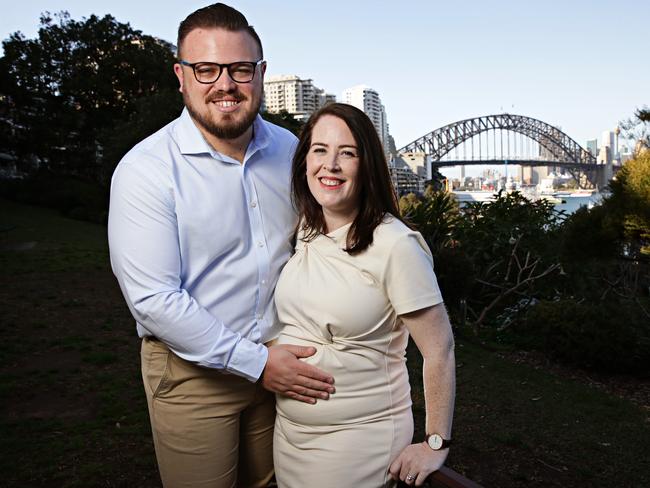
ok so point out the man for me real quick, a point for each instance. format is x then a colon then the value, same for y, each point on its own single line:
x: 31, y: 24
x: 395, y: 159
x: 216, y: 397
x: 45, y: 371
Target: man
x: 200, y: 225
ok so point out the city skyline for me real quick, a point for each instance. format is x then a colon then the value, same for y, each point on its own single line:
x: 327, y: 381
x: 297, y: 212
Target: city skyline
x: 578, y: 65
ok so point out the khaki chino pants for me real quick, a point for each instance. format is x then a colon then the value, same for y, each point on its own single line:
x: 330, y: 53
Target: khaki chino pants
x: 209, y: 429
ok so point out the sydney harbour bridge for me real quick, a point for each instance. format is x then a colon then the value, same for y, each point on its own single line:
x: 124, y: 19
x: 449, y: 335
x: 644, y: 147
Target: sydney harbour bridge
x: 506, y: 139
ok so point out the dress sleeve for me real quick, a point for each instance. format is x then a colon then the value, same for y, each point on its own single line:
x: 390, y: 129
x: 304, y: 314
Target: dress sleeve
x: 409, y: 279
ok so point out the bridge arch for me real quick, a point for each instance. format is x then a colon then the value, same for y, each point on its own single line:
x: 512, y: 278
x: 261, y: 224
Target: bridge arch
x: 564, y: 150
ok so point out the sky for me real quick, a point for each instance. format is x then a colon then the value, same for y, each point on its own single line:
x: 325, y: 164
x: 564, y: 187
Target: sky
x: 576, y: 64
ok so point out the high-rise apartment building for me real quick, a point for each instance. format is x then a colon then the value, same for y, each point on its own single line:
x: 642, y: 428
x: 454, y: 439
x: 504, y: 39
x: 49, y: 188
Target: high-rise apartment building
x: 297, y: 96
x: 365, y: 98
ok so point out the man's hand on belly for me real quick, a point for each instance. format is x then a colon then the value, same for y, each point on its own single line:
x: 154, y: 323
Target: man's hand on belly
x: 285, y: 374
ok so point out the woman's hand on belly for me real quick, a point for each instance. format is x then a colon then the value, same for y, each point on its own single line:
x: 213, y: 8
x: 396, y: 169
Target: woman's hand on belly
x: 286, y: 375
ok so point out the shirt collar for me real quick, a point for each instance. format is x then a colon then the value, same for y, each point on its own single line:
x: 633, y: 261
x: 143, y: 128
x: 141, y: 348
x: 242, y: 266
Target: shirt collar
x: 191, y: 141
x: 189, y: 137
x: 261, y: 135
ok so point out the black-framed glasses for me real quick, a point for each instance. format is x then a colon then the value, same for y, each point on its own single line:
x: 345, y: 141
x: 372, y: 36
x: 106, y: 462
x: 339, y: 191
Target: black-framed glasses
x: 239, y: 71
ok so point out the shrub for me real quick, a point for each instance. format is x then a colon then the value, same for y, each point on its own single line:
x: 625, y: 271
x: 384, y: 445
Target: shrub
x: 612, y: 336
x: 435, y: 216
x: 588, y: 234
x: 72, y: 197
x: 456, y: 276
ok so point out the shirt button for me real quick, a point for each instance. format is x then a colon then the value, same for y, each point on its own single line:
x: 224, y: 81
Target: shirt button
x: 253, y: 204
x: 260, y: 244
x: 264, y: 282
x: 258, y: 317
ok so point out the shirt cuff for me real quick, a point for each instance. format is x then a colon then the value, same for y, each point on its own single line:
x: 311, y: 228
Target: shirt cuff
x: 248, y: 360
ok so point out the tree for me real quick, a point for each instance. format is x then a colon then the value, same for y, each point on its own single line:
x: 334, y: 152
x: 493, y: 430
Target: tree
x: 435, y: 216
x: 150, y: 113
x: 629, y: 204
x: 512, y: 244
x: 637, y: 129
x: 284, y: 119
x: 76, y: 84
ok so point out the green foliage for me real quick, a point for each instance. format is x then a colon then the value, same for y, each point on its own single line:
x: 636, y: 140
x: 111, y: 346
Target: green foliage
x: 504, y: 256
x: 629, y: 204
x: 284, y: 119
x: 602, y: 315
x: 612, y: 335
x: 512, y: 244
x: 488, y: 254
x: 643, y: 114
x: 632, y: 185
x: 588, y: 234
x: 637, y: 129
x: 435, y: 217
x: 606, y: 249
x: 589, y: 253
x: 456, y: 276
x: 72, y: 197
x: 150, y: 113
x: 488, y: 229
x: 65, y: 90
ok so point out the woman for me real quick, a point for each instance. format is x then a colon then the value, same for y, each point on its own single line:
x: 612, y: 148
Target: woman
x: 359, y: 283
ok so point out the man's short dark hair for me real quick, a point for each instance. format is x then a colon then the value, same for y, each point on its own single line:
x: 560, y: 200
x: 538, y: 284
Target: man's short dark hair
x: 217, y: 16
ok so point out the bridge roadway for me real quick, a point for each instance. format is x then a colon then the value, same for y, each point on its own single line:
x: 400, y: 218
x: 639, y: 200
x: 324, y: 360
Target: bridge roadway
x: 555, y: 148
x: 520, y: 162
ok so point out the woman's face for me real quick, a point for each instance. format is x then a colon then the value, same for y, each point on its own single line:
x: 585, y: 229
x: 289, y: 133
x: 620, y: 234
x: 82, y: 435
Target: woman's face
x: 332, y: 170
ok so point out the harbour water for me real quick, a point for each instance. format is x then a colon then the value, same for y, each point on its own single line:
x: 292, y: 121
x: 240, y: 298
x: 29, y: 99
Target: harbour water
x: 567, y: 201
x: 571, y: 203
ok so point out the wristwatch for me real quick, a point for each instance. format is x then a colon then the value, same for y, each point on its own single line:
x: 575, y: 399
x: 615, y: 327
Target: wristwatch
x: 436, y: 442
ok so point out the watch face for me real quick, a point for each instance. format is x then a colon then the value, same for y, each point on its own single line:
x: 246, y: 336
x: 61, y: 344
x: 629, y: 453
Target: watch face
x: 435, y: 442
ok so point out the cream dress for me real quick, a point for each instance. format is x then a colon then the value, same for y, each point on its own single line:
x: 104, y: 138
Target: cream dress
x: 348, y: 307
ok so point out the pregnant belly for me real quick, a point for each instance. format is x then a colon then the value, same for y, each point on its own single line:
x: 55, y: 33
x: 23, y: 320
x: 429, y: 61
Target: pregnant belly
x: 368, y: 386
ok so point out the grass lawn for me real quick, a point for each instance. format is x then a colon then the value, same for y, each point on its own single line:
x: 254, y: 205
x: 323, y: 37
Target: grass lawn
x: 73, y: 412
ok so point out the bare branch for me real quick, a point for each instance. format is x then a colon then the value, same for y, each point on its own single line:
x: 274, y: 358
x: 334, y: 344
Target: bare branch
x: 505, y: 292
x: 491, y: 268
x: 638, y: 302
x: 487, y: 283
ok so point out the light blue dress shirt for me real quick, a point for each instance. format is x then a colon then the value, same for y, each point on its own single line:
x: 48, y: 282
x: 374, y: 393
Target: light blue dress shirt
x: 197, y: 241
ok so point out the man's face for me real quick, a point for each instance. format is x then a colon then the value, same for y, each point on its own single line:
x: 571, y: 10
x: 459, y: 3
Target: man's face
x: 225, y: 109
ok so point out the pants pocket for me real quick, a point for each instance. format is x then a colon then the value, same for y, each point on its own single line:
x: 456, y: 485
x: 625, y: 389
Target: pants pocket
x: 155, y: 358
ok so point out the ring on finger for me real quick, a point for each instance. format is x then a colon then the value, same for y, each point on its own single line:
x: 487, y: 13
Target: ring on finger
x: 410, y: 477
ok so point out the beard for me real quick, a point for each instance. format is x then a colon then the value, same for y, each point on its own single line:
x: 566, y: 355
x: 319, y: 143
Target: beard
x: 229, y: 127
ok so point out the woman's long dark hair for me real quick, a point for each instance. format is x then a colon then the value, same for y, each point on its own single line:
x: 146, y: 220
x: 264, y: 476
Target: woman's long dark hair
x: 376, y: 193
